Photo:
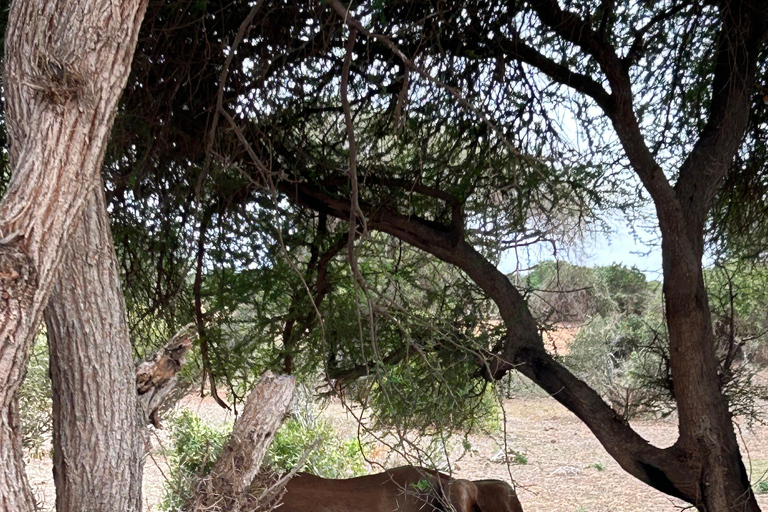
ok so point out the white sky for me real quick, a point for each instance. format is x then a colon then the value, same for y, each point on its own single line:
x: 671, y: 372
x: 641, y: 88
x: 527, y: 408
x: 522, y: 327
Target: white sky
x: 639, y: 248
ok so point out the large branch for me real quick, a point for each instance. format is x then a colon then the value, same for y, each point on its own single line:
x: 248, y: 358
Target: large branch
x: 523, y: 348
x: 620, y: 110
x: 744, y: 25
x: 560, y: 73
x: 228, y: 485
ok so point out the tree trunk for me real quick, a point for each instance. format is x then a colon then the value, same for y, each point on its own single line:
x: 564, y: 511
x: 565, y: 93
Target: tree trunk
x: 707, y: 437
x: 96, y: 428
x: 229, y: 486
x: 66, y: 64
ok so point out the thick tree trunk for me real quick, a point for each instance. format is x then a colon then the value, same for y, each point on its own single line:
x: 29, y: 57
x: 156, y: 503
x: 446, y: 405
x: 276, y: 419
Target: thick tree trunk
x: 707, y: 437
x: 66, y: 64
x: 96, y: 428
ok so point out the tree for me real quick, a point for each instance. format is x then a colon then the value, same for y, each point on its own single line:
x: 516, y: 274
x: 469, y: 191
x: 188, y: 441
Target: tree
x: 704, y: 467
x: 435, y: 126
x: 65, y: 67
x: 92, y: 375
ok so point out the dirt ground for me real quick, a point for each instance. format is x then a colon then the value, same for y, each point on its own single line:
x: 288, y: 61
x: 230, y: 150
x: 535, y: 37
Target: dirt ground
x: 566, y: 469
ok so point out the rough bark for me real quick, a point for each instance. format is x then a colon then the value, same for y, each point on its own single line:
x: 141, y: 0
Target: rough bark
x: 156, y: 378
x: 96, y: 430
x: 66, y: 64
x: 228, y: 487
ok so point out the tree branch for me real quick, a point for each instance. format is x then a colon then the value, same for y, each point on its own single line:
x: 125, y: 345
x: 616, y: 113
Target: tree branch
x: 227, y: 486
x: 558, y: 72
x: 744, y: 25
x: 200, y: 319
x: 156, y: 378
x: 523, y: 348
x: 295, y: 327
x: 572, y: 28
x: 636, y: 48
x: 364, y: 369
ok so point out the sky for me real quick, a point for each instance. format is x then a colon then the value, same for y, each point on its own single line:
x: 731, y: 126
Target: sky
x: 637, y: 247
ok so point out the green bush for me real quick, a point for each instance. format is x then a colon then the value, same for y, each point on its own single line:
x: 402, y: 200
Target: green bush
x: 624, y: 358
x: 519, y: 458
x: 35, y: 400
x: 195, y: 447
x: 332, y: 458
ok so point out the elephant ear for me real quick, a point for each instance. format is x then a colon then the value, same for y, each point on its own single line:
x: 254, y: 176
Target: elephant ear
x: 462, y: 495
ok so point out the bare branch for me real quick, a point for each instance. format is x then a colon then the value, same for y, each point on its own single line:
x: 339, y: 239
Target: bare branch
x: 350, y: 20
x: 239, y: 462
x: 220, y: 95
x: 156, y: 378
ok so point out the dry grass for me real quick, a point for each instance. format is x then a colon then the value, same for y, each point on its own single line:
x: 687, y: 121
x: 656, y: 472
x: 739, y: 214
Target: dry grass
x: 566, y: 471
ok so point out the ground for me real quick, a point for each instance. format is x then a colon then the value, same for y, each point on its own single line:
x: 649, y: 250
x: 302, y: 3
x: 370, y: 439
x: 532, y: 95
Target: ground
x: 566, y: 469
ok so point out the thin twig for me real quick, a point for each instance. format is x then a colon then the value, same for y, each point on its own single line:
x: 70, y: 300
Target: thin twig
x: 220, y: 95
x: 353, y: 23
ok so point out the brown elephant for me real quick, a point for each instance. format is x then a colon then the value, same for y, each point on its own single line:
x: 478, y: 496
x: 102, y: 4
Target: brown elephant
x: 403, y: 489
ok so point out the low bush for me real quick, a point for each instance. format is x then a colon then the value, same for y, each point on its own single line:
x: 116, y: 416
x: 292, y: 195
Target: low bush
x: 195, y: 446
x: 333, y: 457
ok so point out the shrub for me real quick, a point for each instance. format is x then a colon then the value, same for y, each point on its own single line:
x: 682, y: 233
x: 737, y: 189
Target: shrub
x: 35, y: 400
x: 195, y: 447
x: 519, y: 458
x: 625, y: 360
x: 332, y: 458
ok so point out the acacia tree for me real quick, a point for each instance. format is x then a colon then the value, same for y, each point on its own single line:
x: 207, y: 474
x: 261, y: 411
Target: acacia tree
x: 438, y: 107
x: 445, y: 138
x: 704, y: 466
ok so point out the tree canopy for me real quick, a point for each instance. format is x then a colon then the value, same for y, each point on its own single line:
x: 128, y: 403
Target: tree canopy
x: 328, y: 187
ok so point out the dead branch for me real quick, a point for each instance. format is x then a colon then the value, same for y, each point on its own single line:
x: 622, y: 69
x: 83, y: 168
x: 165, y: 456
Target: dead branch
x: 227, y: 486
x: 157, y: 377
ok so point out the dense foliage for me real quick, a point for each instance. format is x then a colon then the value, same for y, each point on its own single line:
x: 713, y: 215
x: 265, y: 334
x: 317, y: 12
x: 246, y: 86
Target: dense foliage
x: 326, y: 189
